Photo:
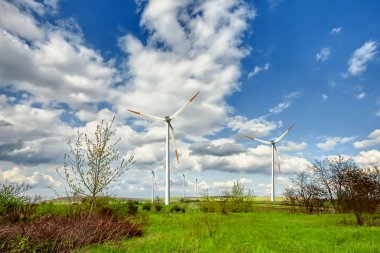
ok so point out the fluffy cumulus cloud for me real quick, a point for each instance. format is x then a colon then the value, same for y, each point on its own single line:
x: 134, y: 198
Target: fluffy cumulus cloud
x: 252, y: 127
x: 332, y: 142
x: 56, y: 65
x: 255, y: 160
x: 372, y: 140
x: 59, y: 81
x: 368, y: 158
x: 360, y: 58
x: 292, y: 146
x: 192, y: 47
x: 16, y: 175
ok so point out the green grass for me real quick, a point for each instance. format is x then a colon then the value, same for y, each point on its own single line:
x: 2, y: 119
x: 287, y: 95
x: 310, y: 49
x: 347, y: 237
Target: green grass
x: 259, y: 231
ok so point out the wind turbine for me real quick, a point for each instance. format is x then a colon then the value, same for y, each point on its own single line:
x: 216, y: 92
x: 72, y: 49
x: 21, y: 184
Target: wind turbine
x: 169, y: 133
x: 274, y: 151
x: 183, y: 185
x: 154, y: 184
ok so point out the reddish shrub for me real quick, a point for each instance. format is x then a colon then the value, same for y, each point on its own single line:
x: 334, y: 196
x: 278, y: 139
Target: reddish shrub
x: 64, y: 234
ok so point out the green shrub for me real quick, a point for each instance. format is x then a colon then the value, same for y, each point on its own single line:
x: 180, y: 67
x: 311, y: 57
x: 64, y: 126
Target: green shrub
x: 132, y: 207
x: 147, y: 206
x: 45, y: 209
x: 158, y: 207
x: 177, y: 208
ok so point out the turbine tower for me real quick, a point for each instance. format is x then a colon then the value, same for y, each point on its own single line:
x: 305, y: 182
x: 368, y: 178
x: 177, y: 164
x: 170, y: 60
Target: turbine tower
x: 183, y: 185
x: 169, y: 133
x: 274, y: 152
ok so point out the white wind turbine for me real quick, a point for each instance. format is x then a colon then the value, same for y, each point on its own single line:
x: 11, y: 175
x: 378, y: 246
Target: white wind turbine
x: 169, y: 133
x: 154, y: 183
x: 183, y: 185
x: 274, y: 150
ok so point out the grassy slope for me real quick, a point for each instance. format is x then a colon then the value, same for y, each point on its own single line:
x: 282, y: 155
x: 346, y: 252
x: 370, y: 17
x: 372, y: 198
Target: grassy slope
x: 251, y: 232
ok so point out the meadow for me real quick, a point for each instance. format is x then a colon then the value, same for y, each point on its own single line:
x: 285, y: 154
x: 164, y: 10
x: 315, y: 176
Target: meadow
x: 267, y: 228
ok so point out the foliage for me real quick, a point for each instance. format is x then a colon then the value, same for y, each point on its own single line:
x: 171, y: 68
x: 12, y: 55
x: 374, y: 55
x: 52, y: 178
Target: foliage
x: 347, y: 187
x: 158, y: 206
x: 64, y: 234
x: 177, y: 208
x: 132, y: 207
x: 14, y: 204
x: 91, y: 171
x: 232, y: 199
x: 147, y: 206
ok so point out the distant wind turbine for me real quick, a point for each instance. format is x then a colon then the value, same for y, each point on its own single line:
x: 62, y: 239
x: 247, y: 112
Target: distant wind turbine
x: 169, y: 133
x: 183, y: 185
x: 154, y: 184
x: 274, y: 151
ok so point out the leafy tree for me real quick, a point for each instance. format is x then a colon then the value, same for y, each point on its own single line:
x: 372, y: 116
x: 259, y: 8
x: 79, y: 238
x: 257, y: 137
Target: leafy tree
x: 90, y: 171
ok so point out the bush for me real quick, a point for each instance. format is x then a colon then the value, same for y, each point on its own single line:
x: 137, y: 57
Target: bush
x: 158, y: 207
x: 177, y: 208
x: 132, y: 207
x: 45, y: 209
x: 14, y: 206
x: 64, y: 234
x: 146, y: 206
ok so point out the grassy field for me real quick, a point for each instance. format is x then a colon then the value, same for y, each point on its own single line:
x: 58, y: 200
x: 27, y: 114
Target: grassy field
x: 260, y: 231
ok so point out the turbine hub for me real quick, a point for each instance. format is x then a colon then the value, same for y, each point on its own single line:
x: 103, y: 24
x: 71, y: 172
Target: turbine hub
x: 167, y: 119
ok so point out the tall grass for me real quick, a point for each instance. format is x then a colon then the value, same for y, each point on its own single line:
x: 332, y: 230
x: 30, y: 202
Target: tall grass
x: 271, y: 231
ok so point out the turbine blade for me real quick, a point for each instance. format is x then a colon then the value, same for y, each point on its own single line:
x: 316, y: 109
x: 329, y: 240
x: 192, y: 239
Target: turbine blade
x: 147, y: 115
x: 183, y: 107
x: 171, y: 131
x: 258, y: 140
x: 278, y: 159
x: 283, y: 135
x: 159, y: 166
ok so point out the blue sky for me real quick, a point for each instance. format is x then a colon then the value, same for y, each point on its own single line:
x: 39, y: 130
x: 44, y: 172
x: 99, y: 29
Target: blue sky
x: 260, y: 67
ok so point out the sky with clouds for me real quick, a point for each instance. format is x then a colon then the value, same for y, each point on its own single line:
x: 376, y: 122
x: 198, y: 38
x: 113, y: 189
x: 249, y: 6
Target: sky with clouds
x: 260, y: 66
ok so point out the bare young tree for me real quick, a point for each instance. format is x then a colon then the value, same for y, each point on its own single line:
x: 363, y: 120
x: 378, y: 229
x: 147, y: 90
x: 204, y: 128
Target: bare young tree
x: 91, y: 170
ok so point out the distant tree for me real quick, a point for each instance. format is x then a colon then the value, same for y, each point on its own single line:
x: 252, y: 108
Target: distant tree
x: 90, y: 171
x: 306, y: 190
x: 348, y: 187
x: 329, y: 173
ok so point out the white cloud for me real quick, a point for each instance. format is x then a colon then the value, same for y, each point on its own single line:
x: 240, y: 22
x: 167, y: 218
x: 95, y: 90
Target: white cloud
x: 280, y: 107
x: 361, y: 57
x: 202, y: 54
x: 331, y: 142
x: 257, y: 70
x: 373, y: 139
x: 16, y: 175
x: 252, y: 127
x: 50, y: 61
x: 230, y: 183
x: 291, y: 146
x: 336, y: 30
x: 254, y: 160
x: 324, y: 97
x: 360, y: 96
x: 378, y: 113
x: 323, y: 55
x: 368, y: 158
